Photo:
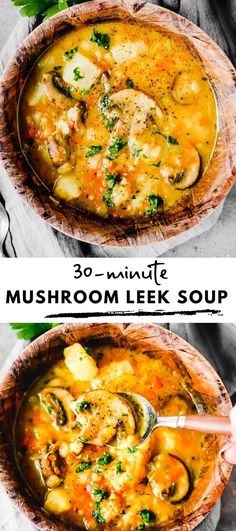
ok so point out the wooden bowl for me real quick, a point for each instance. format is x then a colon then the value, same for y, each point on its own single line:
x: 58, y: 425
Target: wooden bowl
x: 206, y: 385
x: 202, y: 199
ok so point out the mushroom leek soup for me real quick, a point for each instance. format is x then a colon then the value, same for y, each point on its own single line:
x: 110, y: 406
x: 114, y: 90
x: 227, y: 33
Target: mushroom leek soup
x: 119, y: 119
x: 76, y: 442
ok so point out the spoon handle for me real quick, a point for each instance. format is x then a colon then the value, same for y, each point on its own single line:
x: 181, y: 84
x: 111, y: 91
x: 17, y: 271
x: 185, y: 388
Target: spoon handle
x: 206, y: 423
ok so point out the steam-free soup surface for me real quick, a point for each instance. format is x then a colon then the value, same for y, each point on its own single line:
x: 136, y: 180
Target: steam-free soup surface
x: 119, y: 119
x: 95, y: 486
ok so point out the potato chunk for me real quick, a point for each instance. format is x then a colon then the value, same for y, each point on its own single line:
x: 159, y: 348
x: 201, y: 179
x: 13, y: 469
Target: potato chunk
x: 82, y: 365
x: 67, y: 187
x: 80, y: 72
x: 57, y: 501
x: 127, y: 51
x: 186, y: 89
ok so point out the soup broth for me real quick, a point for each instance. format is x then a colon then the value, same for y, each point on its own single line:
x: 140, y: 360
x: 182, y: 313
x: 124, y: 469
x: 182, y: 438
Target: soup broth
x: 93, y: 486
x: 119, y: 119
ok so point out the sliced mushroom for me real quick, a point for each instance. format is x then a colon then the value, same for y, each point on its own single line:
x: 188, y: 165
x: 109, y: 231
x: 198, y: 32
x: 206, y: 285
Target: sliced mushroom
x: 57, y: 402
x: 59, y: 152
x: 102, y: 415
x: 77, y: 115
x: 132, y: 108
x: 187, y: 177
x: 56, y: 90
x: 50, y: 462
x: 170, y: 478
x: 186, y: 88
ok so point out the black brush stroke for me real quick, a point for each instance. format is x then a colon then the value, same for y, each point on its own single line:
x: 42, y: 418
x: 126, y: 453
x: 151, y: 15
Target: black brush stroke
x: 139, y: 313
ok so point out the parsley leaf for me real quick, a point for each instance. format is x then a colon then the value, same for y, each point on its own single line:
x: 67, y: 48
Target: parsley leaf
x: 132, y: 450
x: 119, y: 469
x: 84, y: 465
x: 83, y: 406
x: 129, y: 83
x: 100, y: 495
x: 69, y: 54
x: 105, y: 459
x: 101, y: 39
x: 112, y: 179
x: 98, y: 517
x: 31, y: 330
x: 118, y: 144
x: 155, y: 202
x: 77, y: 74
x: 147, y: 516
x: 93, y: 150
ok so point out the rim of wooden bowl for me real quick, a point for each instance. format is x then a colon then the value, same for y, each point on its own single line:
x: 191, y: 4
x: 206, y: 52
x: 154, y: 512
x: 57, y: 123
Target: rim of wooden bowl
x: 84, y: 226
x: 47, y: 348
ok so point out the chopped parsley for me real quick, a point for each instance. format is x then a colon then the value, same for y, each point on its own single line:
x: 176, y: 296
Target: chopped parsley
x: 118, y: 144
x: 98, y: 517
x: 100, y: 495
x: 101, y: 39
x: 140, y: 527
x: 132, y: 450
x: 77, y: 74
x: 88, y: 350
x: 157, y: 164
x: 135, y: 151
x: 170, y: 139
x: 70, y: 54
x: 84, y: 92
x: 104, y: 103
x: 119, y: 468
x: 129, y: 83
x: 84, y: 465
x: 147, y: 516
x: 57, y: 68
x: 84, y: 439
x: 105, y: 459
x: 93, y: 150
x: 83, y: 406
x: 109, y: 122
x: 155, y: 202
x: 112, y: 179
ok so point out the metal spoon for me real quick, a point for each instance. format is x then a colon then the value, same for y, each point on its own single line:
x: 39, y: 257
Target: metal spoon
x: 147, y: 419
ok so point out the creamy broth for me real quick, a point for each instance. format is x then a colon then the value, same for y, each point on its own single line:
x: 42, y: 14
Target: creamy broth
x: 94, y: 486
x: 119, y: 119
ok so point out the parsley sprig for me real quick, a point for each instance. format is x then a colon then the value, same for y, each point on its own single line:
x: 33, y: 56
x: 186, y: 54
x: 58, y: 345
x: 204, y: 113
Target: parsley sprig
x: 46, y: 8
x: 31, y: 330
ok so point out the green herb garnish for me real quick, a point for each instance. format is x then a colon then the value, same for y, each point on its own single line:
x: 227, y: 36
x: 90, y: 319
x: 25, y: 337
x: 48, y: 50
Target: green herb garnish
x: 93, y: 150
x: 32, y: 330
x: 155, y: 202
x: 70, y: 54
x: 98, y: 517
x: 105, y: 459
x: 157, y: 164
x: 119, y: 468
x: 101, y: 39
x: 135, y: 151
x: 132, y: 450
x: 83, y: 406
x: 170, y: 139
x: 147, y: 516
x: 112, y: 179
x: 100, y: 495
x: 119, y: 143
x: 84, y: 465
x: 77, y: 74
x: 129, y: 83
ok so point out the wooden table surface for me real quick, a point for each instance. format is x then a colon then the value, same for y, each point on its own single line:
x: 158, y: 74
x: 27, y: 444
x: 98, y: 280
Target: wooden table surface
x: 30, y: 236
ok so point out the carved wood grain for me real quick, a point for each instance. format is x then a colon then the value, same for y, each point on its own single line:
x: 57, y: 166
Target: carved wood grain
x: 205, y: 385
x: 201, y: 201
